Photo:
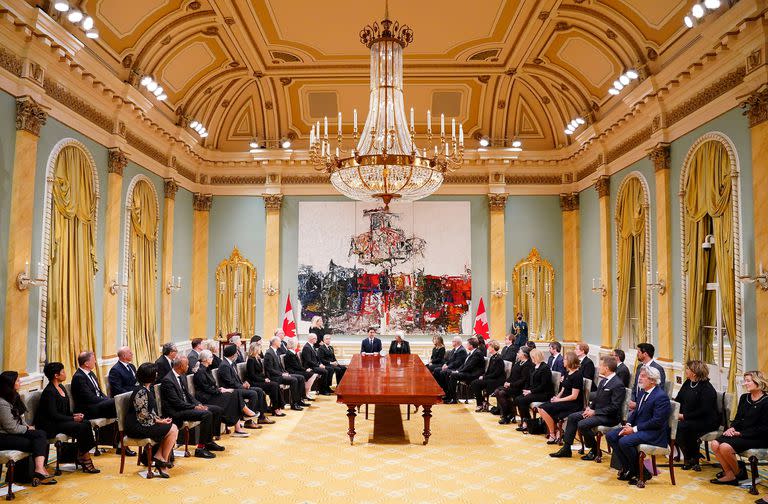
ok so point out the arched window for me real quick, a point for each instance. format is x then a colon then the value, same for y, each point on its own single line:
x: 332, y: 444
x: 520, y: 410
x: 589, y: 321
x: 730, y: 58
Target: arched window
x: 711, y: 254
x: 633, y: 237
x: 69, y: 254
x: 140, y: 267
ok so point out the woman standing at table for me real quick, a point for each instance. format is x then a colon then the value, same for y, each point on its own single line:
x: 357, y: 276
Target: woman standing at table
x: 399, y: 345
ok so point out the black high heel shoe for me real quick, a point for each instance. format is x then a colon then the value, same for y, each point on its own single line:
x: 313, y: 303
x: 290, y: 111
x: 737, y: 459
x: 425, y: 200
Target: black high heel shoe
x: 87, y: 466
x: 159, y: 463
x: 42, y: 479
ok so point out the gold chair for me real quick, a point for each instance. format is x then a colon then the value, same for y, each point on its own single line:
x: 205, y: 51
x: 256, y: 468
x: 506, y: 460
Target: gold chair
x: 186, y: 425
x: 121, y: 405
x: 646, y: 449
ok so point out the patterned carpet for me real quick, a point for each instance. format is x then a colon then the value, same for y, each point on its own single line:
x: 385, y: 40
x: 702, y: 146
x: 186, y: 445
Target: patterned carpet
x: 306, y: 458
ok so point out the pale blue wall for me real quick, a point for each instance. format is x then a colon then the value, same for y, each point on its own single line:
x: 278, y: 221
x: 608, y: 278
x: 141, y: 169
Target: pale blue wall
x: 7, y: 145
x: 734, y: 125
x: 182, y: 265
x: 289, y: 234
x: 589, y: 240
x: 535, y: 221
x: 236, y: 221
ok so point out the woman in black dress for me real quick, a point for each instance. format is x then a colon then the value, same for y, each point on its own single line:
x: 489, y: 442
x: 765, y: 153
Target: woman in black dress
x: 748, y: 430
x: 54, y: 416
x: 230, y: 401
x: 698, y: 412
x: 539, y: 388
x: 293, y: 366
x: 438, y: 354
x: 255, y: 375
x: 399, y: 345
x: 317, y: 326
x: 142, y: 421
x: 491, y: 379
x: 569, y: 400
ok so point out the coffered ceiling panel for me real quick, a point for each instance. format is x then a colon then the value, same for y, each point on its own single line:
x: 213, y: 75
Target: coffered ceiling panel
x: 123, y: 22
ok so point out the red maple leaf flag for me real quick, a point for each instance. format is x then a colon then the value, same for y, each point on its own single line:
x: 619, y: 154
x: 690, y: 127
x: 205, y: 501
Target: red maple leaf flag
x: 481, y: 321
x: 289, y: 323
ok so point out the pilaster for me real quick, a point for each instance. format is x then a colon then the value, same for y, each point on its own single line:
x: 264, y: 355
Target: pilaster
x: 170, y: 187
x: 497, y: 203
x: 201, y: 205
x: 569, y: 204
x: 660, y: 156
x: 603, y: 188
x: 271, y: 279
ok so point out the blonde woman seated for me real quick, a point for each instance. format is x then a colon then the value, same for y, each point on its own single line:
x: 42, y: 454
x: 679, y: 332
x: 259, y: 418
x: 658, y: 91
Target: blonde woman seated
x: 293, y: 366
x: 213, y: 347
x: 569, y: 400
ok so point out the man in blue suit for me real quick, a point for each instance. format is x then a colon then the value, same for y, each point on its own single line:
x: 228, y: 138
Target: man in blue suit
x: 122, y: 376
x: 371, y: 345
x: 555, y: 360
x: 647, y: 424
x: 645, y: 358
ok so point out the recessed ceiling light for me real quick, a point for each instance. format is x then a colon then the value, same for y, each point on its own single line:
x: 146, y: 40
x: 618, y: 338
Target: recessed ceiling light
x: 162, y: 97
x: 158, y: 91
x: 580, y: 120
x: 61, y: 6
x: 146, y: 80
x: 568, y: 132
x: 712, y: 4
x: 204, y: 135
x: 152, y: 86
x: 613, y: 91
x: 632, y: 74
x: 75, y: 16
x: 87, y: 23
x: 688, y: 21
x: 92, y: 34
x: 698, y: 11
x: 485, y: 142
x: 193, y: 124
x: 517, y: 143
x: 254, y: 145
x: 624, y: 79
x: 618, y: 85
x: 285, y: 143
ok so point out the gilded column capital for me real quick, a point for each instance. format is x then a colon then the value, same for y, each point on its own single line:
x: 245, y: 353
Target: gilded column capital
x: 660, y: 155
x: 202, y: 202
x: 30, y: 116
x: 272, y: 201
x: 569, y: 202
x: 170, y: 186
x: 497, y: 201
x: 603, y: 186
x: 757, y: 107
x: 117, y: 161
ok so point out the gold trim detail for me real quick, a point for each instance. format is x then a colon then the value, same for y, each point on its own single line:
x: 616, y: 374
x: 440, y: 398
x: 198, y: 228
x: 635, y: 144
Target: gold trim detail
x: 272, y: 201
x: 170, y: 187
x: 238, y: 180
x: 10, y: 62
x: 630, y: 144
x: 756, y: 107
x: 660, y: 155
x: 497, y: 201
x: 202, y: 202
x: 142, y: 146
x: 72, y: 101
x: 707, y: 95
x: 569, y: 202
x: 117, y: 161
x: 603, y: 186
x: 30, y: 116
x: 553, y: 179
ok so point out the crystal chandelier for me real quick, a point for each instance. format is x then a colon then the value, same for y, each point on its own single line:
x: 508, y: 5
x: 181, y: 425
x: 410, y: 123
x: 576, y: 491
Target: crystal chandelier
x: 385, y: 163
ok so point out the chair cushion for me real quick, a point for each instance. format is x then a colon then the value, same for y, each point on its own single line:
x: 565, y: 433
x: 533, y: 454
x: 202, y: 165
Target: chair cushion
x: 101, y: 422
x: 605, y: 429
x: 189, y: 424
x: 60, y: 437
x: 759, y: 453
x: 536, y: 404
x: 12, y: 456
x: 129, y: 441
x: 711, y: 436
x: 649, y: 449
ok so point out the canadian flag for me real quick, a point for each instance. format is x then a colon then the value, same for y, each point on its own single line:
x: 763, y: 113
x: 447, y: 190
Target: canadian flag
x: 289, y: 323
x: 481, y: 321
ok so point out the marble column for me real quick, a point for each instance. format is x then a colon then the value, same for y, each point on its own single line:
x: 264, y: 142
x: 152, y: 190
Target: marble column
x: 757, y: 112
x: 603, y: 188
x: 116, y: 163
x: 201, y: 205
x: 170, y: 187
x: 661, y: 163
x: 497, y: 203
x: 569, y: 204
x: 271, y: 277
x: 30, y: 117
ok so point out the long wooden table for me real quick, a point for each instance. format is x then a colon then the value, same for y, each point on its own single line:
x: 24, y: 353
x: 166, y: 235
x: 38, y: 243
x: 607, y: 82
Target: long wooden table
x: 390, y: 380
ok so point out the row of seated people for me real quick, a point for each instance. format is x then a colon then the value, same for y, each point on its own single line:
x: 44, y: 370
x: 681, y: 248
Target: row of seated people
x: 529, y: 381
x: 226, y: 399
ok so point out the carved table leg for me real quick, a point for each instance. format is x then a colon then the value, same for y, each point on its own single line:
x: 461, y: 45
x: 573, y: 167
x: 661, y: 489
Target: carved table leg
x: 427, y: 416
x: 351, y: 414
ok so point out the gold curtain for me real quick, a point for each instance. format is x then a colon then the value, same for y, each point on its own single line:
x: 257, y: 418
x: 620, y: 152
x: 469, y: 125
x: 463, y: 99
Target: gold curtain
x: 709, y: 210
x: 142, y: 276
x: 632, y: 265
x: 70, y: 310
x: 235, y: 312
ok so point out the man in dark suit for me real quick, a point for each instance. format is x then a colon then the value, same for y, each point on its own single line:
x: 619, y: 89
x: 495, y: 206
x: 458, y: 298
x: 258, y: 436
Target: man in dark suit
x: 509, y: 352
x: 311, y: 360
x: 230, y: 378
x: 88, y: 397
x: 283, y: 347
x: 645, y: 352
x: 177, y: 403
x: 122, y: 376
x: 604, y: 409
x: 454, y: 359
x: 275, y: 370
x: 555, y: 359
x: 328, y: 357
x: 237, y: 342
x: 622, y: 371
x: 371, y: 345
x: 164, y: 363
x: 472, y: 367
x: 647, y: 424
x: 587, y: 367
x: 194, y: 354
x: 513, y: 386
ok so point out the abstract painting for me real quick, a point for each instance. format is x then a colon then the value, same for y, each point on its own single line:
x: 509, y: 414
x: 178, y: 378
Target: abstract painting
x: 407, y: 269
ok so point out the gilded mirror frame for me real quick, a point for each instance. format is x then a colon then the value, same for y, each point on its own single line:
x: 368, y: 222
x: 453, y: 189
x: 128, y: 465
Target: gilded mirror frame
x: 543, y: 280
x: 229, y: 318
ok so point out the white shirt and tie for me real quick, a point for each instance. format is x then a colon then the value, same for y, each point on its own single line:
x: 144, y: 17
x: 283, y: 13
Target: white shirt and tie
x: 89, y: 374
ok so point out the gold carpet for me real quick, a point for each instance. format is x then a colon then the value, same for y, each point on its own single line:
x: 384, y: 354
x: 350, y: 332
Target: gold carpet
x: 306, y: 458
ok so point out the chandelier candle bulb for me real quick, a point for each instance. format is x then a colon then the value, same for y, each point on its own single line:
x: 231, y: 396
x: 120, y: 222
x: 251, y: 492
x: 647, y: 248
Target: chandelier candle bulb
x: 325, y: 127
x: 338, y: 128
x: 429, y: 122
x: 412, y: 119
x: 442, y: 125
x: 354, y: 119
x: 453, y: 129
x: 461, y: 134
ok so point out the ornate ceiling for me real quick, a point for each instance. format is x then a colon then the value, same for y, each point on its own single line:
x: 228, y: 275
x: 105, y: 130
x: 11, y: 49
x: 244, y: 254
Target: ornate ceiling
x: 515, y: 69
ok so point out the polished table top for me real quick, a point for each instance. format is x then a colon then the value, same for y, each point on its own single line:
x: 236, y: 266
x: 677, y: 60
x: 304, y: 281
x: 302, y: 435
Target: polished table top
x: 393, y: 379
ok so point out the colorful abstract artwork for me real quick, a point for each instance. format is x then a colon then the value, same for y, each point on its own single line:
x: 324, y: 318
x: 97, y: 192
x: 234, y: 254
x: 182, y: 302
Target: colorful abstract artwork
x: 408, y: 268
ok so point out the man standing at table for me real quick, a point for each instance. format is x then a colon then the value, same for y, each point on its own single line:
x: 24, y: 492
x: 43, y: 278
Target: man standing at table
x: 371, y: 345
